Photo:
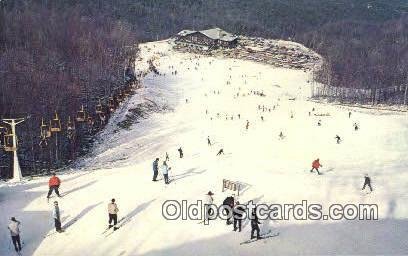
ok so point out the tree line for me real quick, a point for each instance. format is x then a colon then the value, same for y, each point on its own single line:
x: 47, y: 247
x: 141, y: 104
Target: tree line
x: 363, y: 42
x: 57, y: 60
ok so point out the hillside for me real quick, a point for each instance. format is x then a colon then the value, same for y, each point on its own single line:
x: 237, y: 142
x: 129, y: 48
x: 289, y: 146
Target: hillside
x: 272, y: 170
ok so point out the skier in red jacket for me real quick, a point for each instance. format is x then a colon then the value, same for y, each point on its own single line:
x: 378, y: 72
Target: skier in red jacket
x: 54, y: 184
x: 316, y: 165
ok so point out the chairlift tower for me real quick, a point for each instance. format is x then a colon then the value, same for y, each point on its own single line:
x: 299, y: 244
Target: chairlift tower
x: 17, y: 176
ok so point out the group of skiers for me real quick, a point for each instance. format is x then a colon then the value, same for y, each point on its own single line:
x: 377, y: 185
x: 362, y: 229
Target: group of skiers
x: 14, y: 225
x: 164, y: 169
x: 234, y: 210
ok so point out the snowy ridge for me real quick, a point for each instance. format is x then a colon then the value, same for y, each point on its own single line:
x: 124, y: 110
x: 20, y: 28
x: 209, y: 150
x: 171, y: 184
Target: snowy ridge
x: 275, y: 171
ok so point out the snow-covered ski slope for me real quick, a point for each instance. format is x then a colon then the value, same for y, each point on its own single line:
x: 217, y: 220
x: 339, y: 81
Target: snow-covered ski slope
x: 274, y: 170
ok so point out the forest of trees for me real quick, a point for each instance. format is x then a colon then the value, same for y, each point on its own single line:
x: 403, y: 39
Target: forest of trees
x: 59, y: 55
x: 54, y: 60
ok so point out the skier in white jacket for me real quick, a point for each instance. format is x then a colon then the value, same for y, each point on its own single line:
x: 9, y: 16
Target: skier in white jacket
x: 165, y: 170
x: 207, y: 202
x: 14, y: 228
x: 113, y: 214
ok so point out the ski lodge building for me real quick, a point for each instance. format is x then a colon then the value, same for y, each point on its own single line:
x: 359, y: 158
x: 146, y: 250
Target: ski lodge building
x: 210, y: 38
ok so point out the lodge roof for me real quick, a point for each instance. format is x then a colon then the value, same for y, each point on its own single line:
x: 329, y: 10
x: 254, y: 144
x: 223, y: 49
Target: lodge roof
x: 186, y: 32
x: 213, y: 33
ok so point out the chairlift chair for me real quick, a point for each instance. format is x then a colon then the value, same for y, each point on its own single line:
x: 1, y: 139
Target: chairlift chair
x: 3, y: 132
x: 45, y: 131
x: 70, y: 129
x: 102, y: 118
x: 120, y: 98
x: 55, y: 124
x: 99, y: 108
x: 111, y: 104
x: 70, y: 124
x: 8, y: 143
x: 81, y: 115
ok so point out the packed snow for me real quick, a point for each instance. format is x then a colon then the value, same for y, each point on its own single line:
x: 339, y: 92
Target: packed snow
x: 271, y: 169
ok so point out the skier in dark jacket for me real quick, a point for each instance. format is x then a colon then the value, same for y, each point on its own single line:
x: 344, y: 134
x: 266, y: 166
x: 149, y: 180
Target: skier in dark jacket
x: 338, y: 139
x: 155, y: 169
x: 367, y: 182
x: 221, y: 151
x: 57, y: 217
x: 255, y: 225
x: 228, y: 204
x: 238, y: 211
x: 281, y: 136
x: 208, y: 141
x: 180, y: 152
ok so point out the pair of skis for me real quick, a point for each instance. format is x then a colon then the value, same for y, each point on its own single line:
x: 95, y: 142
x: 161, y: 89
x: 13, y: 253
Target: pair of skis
x: 266, y: 235
x: 110, y: 230
x: 53, y: 233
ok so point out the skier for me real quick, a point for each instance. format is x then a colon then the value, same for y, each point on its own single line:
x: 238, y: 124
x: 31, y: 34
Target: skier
x: 167, y: 157
x: 367, y: 182
x: 338, y: 139
x: 14, y: 228
x: 57, y: 217
x: 113, y: 214
x: 319, y: 123
x: 255, y: 225
x: 54, y: 184
x: 180, y: 152
x: 281, y: 136
x: 349, y: 114
x: 208, y: 141
x: 165, y: 170
x: 208, y: 201
x: 239, y: 116
x: 355, y: 126
x: 247, y: 125
x: 237, y: 213
x: 155, y: 169
x: 262, y: 118
x: 221, y: 151
x: 316, y: 165
x: 228, y: 204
